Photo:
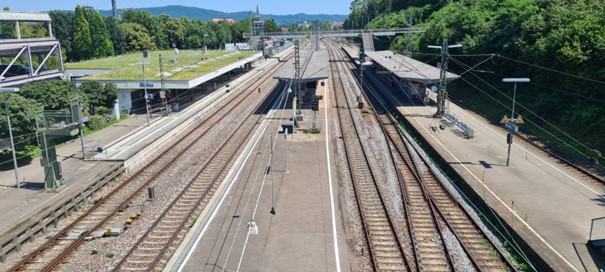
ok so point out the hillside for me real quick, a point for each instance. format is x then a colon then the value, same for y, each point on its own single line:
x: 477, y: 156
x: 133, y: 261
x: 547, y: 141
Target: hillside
x: 176, y: 11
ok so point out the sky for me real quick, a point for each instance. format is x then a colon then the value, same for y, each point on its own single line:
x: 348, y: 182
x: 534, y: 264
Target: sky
x: 275, y: 7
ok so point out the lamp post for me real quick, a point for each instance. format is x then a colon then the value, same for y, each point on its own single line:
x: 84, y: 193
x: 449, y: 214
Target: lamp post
x: 10, y: 130
x: 143, y: 63
x: 513, y: 120
x: 205, y: 48
x: 73, y: 77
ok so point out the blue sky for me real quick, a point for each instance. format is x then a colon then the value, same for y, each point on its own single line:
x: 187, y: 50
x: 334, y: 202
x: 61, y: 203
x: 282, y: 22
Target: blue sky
x: 277, y: 7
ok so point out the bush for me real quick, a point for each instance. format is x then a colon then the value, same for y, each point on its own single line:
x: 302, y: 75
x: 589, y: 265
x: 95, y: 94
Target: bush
x: 102, y: 110
x: 96, y: 122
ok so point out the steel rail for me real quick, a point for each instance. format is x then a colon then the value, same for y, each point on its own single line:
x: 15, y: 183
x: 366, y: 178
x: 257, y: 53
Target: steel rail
x: 206, y: 192
x: 353, y: 142
x: 148, y: 167
x: 428, y: 176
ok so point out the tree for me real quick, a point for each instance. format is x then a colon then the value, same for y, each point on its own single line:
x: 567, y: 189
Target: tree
x: 174, y: 29
x: 52, y: 94
x: 63, y: 29
x: 270, y: 26
x: 137, y: 37
x: 82, y: 40
x: 99, y: 94
x: 100, y: 43
x: 152, y: 24
x: 22, y: 113
x: 116, y: 35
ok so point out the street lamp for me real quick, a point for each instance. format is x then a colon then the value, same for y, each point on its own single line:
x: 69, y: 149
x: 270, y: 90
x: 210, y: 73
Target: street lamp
x: 513, y: 120
x: 143, y: 63
x: 10, y: 131
x: 73, y: 77
x: 205, y: 48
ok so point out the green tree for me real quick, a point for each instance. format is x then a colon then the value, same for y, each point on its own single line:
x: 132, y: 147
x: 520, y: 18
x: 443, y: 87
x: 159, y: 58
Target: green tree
x: 116, y: 35
x: 270, y: 25
x: 82, y: 40
x: 152, y: 24
x: 101, y: 45
x: 52, y: 94
x: 137, y: 37
x: 98, y: 94
x: 22, y: 113
x: 63, y: 30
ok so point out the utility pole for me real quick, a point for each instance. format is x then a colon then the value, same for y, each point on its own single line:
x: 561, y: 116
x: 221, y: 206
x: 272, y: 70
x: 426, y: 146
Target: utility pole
x: 442, y: 94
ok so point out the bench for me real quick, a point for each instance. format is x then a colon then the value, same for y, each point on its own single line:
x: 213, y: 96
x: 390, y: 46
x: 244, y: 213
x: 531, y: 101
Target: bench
x: 450, y: 119
x: 465, y: 130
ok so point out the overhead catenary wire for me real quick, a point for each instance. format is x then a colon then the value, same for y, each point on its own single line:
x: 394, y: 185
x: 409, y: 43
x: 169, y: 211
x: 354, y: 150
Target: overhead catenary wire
x: 239, y: 227
x: 469, y: 68
x: 535, y: 114
x: 532, y: 122
x: 551, y: 70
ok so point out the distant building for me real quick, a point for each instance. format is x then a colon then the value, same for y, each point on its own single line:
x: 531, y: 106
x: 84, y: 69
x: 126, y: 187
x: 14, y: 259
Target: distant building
x: 284, y: 29
x: 228, y: 20
x: 336, y: 25
x: 304, y: 24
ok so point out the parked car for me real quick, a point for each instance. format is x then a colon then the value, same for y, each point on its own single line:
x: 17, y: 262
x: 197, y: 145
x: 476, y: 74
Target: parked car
x: 14, y: 70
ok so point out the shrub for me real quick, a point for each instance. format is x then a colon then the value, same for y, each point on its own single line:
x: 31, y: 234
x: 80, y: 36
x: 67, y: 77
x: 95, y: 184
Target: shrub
x: 102, y: 110
x: 96, y: 122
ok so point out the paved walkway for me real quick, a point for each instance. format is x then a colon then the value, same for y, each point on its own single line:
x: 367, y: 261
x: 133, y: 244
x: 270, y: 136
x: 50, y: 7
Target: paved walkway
x: 17, y: 205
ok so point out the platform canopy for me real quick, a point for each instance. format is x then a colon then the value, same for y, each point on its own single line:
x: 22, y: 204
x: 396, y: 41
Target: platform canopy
x: 408, y: 68
x: 313, y: 69
x: 24, y: 16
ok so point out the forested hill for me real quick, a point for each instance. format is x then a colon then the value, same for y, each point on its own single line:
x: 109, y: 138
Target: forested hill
x: 559, y: 44
x: 176, y: 11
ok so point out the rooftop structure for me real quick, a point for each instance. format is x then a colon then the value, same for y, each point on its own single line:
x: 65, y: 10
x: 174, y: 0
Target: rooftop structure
x: 408, y: 68
x: 314, y: 66
x: 18, y: 48
x: 228, y: 20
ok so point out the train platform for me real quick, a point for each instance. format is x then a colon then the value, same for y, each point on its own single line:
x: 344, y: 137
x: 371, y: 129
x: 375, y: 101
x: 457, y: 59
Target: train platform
x: 20, y: 205
x: 550, y: 205
x: 299, y: 184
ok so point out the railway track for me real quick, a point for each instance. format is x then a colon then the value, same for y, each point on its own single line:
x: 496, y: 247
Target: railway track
x: 150, y: 252
x: 182, y: 157
x: 386, y: 252
x: 430, y: 209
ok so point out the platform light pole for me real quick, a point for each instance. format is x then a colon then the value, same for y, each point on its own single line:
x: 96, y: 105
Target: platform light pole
x: 205, y: 48
x: 10, y: 130
x: 509, y: 137
x: 143, y: 63
x: 73, y: 77
x: 442, y: 94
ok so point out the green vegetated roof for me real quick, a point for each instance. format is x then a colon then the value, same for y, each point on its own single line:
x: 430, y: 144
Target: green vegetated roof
x: 189, y: 64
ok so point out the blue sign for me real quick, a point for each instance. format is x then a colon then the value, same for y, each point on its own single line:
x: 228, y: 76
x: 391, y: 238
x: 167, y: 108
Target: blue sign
x: 511, y: 127
x: 145, y: 84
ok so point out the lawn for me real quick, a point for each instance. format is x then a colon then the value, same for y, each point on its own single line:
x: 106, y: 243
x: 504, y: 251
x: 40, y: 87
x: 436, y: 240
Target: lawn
x: 189, y: 65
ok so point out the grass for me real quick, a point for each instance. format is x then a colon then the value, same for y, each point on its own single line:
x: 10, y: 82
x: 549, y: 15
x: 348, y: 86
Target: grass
x: 124, y: 67
x: 15, y: 227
